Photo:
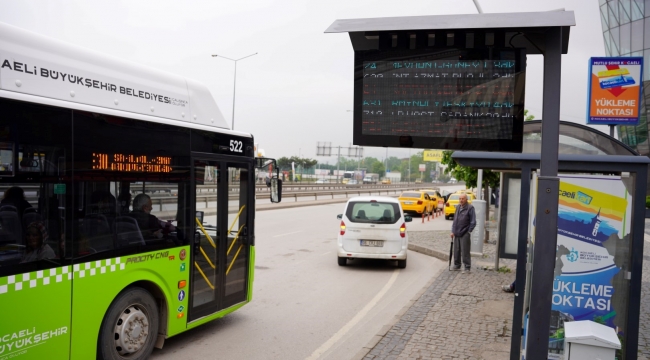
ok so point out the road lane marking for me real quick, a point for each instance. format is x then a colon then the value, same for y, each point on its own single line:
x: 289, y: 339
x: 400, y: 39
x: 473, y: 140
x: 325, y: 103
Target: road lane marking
x: 295, y: 232
x: 347, y: 327
x: 326, y: 253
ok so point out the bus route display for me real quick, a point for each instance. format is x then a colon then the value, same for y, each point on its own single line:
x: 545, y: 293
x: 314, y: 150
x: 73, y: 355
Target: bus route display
x: 131, y: 163
x: 440, y: 104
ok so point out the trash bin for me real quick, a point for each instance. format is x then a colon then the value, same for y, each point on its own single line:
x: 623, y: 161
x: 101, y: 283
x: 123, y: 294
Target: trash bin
x: 588, y: 340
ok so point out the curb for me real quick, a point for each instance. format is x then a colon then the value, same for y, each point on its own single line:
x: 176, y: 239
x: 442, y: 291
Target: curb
x: 431, y: 252
x: 382, y: 332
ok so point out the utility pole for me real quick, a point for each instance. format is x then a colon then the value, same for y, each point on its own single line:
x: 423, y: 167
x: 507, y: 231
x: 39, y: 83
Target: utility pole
x: 338, y: 161
x: 409, y: 178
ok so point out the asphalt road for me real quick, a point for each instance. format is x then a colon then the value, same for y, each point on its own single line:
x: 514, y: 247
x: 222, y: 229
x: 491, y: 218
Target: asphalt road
x: 304, y: 305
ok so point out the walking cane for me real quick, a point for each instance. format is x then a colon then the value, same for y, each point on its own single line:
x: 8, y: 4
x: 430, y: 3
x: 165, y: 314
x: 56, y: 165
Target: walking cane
x: 451, y: 249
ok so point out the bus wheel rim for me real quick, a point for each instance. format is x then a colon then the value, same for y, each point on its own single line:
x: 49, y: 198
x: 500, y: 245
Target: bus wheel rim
x: 131, y: 330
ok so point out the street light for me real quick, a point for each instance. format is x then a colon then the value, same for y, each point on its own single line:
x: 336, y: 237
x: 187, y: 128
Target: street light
x: 234, y: 86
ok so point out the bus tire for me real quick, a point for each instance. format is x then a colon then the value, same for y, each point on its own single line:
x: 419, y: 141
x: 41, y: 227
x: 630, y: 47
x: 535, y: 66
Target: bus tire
x: 130, y: 326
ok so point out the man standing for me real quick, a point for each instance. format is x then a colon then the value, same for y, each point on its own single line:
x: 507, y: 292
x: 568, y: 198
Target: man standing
x: 464, y: 223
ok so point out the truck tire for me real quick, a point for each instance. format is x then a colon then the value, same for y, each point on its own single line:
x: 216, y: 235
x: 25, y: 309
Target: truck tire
x: 130, y: 326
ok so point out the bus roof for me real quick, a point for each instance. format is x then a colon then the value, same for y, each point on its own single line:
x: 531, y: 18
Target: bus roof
x: 43, y: 70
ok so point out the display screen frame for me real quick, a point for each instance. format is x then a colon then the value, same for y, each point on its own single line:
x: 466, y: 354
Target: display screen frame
x: 514, y: 144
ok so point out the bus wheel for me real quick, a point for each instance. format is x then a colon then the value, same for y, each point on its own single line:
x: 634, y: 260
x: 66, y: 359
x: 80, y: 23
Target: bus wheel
x: 130, y: 326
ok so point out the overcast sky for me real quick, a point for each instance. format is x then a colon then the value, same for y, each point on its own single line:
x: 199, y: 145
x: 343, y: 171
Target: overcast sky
x: 297, y: 90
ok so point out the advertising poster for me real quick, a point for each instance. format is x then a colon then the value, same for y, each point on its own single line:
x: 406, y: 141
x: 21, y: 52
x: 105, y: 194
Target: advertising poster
x: 592, y: 245
x: 614, y: 90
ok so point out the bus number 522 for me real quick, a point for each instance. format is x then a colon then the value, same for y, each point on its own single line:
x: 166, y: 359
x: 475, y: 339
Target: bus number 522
x: 236, y: 146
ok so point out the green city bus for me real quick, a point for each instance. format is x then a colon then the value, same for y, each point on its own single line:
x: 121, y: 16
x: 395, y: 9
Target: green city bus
x: 128, y: 206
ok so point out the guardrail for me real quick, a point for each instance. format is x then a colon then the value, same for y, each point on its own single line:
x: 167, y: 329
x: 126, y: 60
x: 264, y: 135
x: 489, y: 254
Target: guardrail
x: 299, y: 190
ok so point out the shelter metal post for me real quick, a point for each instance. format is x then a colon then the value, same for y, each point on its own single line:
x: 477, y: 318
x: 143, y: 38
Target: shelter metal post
x: 547, y: 201
x: 498, y: 206
x: 638, y: 231
x: 520, y: 277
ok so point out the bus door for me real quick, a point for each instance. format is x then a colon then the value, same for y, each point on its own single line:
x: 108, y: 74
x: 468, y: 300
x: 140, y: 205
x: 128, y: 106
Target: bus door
x: 224, y: 201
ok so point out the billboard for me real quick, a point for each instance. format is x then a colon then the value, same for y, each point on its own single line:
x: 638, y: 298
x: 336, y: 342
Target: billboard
x: 432, y: 155
x: 614, y: 90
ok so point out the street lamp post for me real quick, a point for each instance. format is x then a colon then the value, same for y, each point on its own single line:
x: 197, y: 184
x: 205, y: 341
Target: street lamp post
x: 234, y: 86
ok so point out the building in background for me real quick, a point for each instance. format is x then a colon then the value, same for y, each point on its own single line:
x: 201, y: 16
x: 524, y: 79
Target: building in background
x: 626, y: 31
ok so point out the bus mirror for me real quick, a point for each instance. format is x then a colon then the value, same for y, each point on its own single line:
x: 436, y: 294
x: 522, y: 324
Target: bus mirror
x: 276, y: 190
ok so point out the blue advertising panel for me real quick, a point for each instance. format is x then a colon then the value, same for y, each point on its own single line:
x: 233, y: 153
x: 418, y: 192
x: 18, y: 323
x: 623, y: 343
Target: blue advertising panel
x: 614, y: 92
x: 591, y: 260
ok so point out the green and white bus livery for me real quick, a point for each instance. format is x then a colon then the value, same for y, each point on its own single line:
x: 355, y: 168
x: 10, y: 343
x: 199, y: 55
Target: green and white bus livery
x: 128, y: 206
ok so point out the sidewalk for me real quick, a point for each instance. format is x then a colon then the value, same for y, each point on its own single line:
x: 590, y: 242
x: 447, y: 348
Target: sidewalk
x: 468, y: 316
x: 456, y: 316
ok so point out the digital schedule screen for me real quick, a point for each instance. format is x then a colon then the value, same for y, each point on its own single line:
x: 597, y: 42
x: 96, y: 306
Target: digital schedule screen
x: 458, y: 101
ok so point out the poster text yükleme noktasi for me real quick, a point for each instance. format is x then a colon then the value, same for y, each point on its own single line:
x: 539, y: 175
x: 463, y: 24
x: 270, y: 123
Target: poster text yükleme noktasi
x: 591, y: 259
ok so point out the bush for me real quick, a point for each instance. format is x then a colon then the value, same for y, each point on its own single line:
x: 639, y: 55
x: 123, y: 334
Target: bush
x: 647, y: 201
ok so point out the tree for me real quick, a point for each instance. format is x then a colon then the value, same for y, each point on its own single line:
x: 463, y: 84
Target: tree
x: 378, y: 168
x: 284, y: 163
x: 528, y: 117
x: 467, y: 174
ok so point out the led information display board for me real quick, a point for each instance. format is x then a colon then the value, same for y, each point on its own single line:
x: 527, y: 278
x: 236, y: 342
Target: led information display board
x: 456, y: 100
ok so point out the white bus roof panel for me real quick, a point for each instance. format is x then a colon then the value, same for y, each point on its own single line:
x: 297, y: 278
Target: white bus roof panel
x: 37, y: 65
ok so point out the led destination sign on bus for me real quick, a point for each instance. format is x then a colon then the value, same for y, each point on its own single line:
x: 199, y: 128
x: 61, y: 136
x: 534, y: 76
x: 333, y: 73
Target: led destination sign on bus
x: 131, y: 163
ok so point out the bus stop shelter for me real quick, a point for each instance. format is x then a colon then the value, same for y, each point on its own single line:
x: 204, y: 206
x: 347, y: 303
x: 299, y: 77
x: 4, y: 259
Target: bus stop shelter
x: 584, y: 151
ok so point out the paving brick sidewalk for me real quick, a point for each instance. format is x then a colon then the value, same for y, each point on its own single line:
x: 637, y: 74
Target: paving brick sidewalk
x: 457, y: 316
x: 467, y: 316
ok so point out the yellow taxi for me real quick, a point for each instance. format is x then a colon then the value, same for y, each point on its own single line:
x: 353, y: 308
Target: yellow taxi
x: 417, y: 202
x: 454, y: 200
x: 436, y: 197
x: 386, y: 181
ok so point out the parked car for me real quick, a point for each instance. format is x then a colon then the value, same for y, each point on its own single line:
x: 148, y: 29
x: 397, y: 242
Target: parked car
x: 417, y: 202
x: 453, y: 201
x: 372, y: 227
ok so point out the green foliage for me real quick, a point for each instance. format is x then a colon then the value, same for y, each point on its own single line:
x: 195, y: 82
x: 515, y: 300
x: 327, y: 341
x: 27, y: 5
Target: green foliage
x: 378, y: 168
x: 467, y: 174
x: 528, y: 117
x: 647, y: 201
x: 504, y: 270
x: 284, y: 163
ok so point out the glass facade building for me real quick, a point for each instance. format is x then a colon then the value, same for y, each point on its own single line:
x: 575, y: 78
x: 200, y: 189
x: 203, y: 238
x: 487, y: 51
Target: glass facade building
x: 626, y: 31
